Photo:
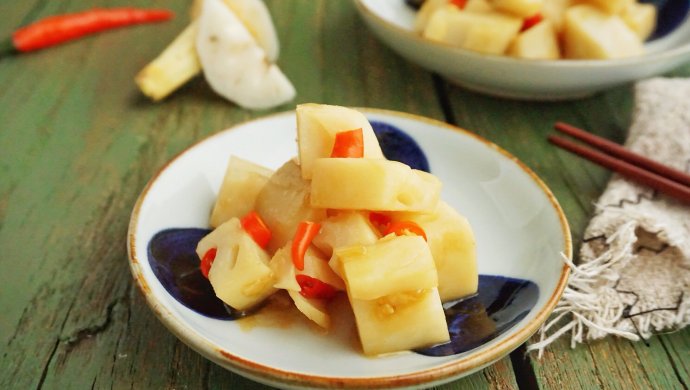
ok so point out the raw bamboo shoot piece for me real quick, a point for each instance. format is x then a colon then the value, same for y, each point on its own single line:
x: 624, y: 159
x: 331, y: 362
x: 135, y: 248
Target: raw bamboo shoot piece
x: 176, y: 65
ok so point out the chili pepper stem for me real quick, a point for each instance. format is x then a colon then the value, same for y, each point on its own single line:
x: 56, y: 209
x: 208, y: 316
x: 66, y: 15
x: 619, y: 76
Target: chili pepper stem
x: 7, y: 47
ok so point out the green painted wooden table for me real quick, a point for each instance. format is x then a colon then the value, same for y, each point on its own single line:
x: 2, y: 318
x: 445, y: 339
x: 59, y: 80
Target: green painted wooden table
x: 78, y: 142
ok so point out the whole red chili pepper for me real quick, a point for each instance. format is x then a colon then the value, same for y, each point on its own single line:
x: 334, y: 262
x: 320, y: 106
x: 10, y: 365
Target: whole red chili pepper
x: 54, y: 30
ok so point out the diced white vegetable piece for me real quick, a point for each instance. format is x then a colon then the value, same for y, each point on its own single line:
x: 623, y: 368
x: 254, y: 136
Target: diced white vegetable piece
x: 478, y: 6
x: 241, y: 184
x: 284, y: 202
x: 371, y: 184
x: 284, y: 269
x: 385, y: 324
x: 317, y: 125
x: 521, y: 8
x: 538, y: 42
x: 486, y: 32
x: 314, y: 309
x: 316, y: 266
x: 394, y: 264
x: 612, y: 7
x: 451, y: 240
x: 346, y: 228
x: 240, y: 274
x: 641, y: 18
x: 554, y: 11
x: 589, y: 32
x: 425, y: 11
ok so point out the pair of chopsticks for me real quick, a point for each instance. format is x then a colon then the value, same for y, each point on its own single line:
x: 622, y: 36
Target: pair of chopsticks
x: 635, y: 167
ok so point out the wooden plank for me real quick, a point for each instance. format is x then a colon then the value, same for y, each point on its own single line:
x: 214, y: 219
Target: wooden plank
x: 72, y: 146
x: 617, y: 364
x: 79, y: 142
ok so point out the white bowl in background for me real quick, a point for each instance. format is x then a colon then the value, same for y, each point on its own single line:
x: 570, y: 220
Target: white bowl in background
x: 392, y: 21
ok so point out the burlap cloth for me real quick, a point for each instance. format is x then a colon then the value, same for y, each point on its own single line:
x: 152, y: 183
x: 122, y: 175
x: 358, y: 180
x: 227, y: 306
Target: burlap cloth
x: 633, y: 275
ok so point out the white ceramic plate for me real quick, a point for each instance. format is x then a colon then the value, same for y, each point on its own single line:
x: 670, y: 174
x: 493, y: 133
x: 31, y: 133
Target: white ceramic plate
x: 392, y: 21
x: 520, y: 229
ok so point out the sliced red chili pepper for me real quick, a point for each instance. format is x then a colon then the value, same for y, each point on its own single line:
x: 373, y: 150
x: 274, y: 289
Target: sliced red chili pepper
x: 348, y: 143
x: 256, y: 227
x: 402, y: 227
x: 379, y: 220
x: 314, y: 288
x: 459, y: 3
x: 207, y: 261
x: 61, y: 28
x: 306, y: 231
x: 531, y: 21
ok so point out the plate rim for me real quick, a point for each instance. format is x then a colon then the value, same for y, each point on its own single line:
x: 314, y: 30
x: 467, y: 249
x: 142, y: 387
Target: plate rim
x: 263, y: 373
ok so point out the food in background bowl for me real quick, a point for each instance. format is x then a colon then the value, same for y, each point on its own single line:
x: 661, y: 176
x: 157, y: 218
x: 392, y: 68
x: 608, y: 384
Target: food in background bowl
x: 342, y: 218
x: 540, y: 29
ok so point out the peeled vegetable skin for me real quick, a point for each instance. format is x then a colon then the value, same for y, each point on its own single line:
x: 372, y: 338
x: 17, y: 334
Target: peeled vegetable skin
x: 234, y: 65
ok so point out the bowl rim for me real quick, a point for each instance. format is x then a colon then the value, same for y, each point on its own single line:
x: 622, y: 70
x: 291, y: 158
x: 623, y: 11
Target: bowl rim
x: 365, y: 11
x: 267, y: 374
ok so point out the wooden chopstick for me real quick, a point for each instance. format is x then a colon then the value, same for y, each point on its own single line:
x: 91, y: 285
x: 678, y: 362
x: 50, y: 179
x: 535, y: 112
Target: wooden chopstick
x: 623, y: 153
x: 628, y: 168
